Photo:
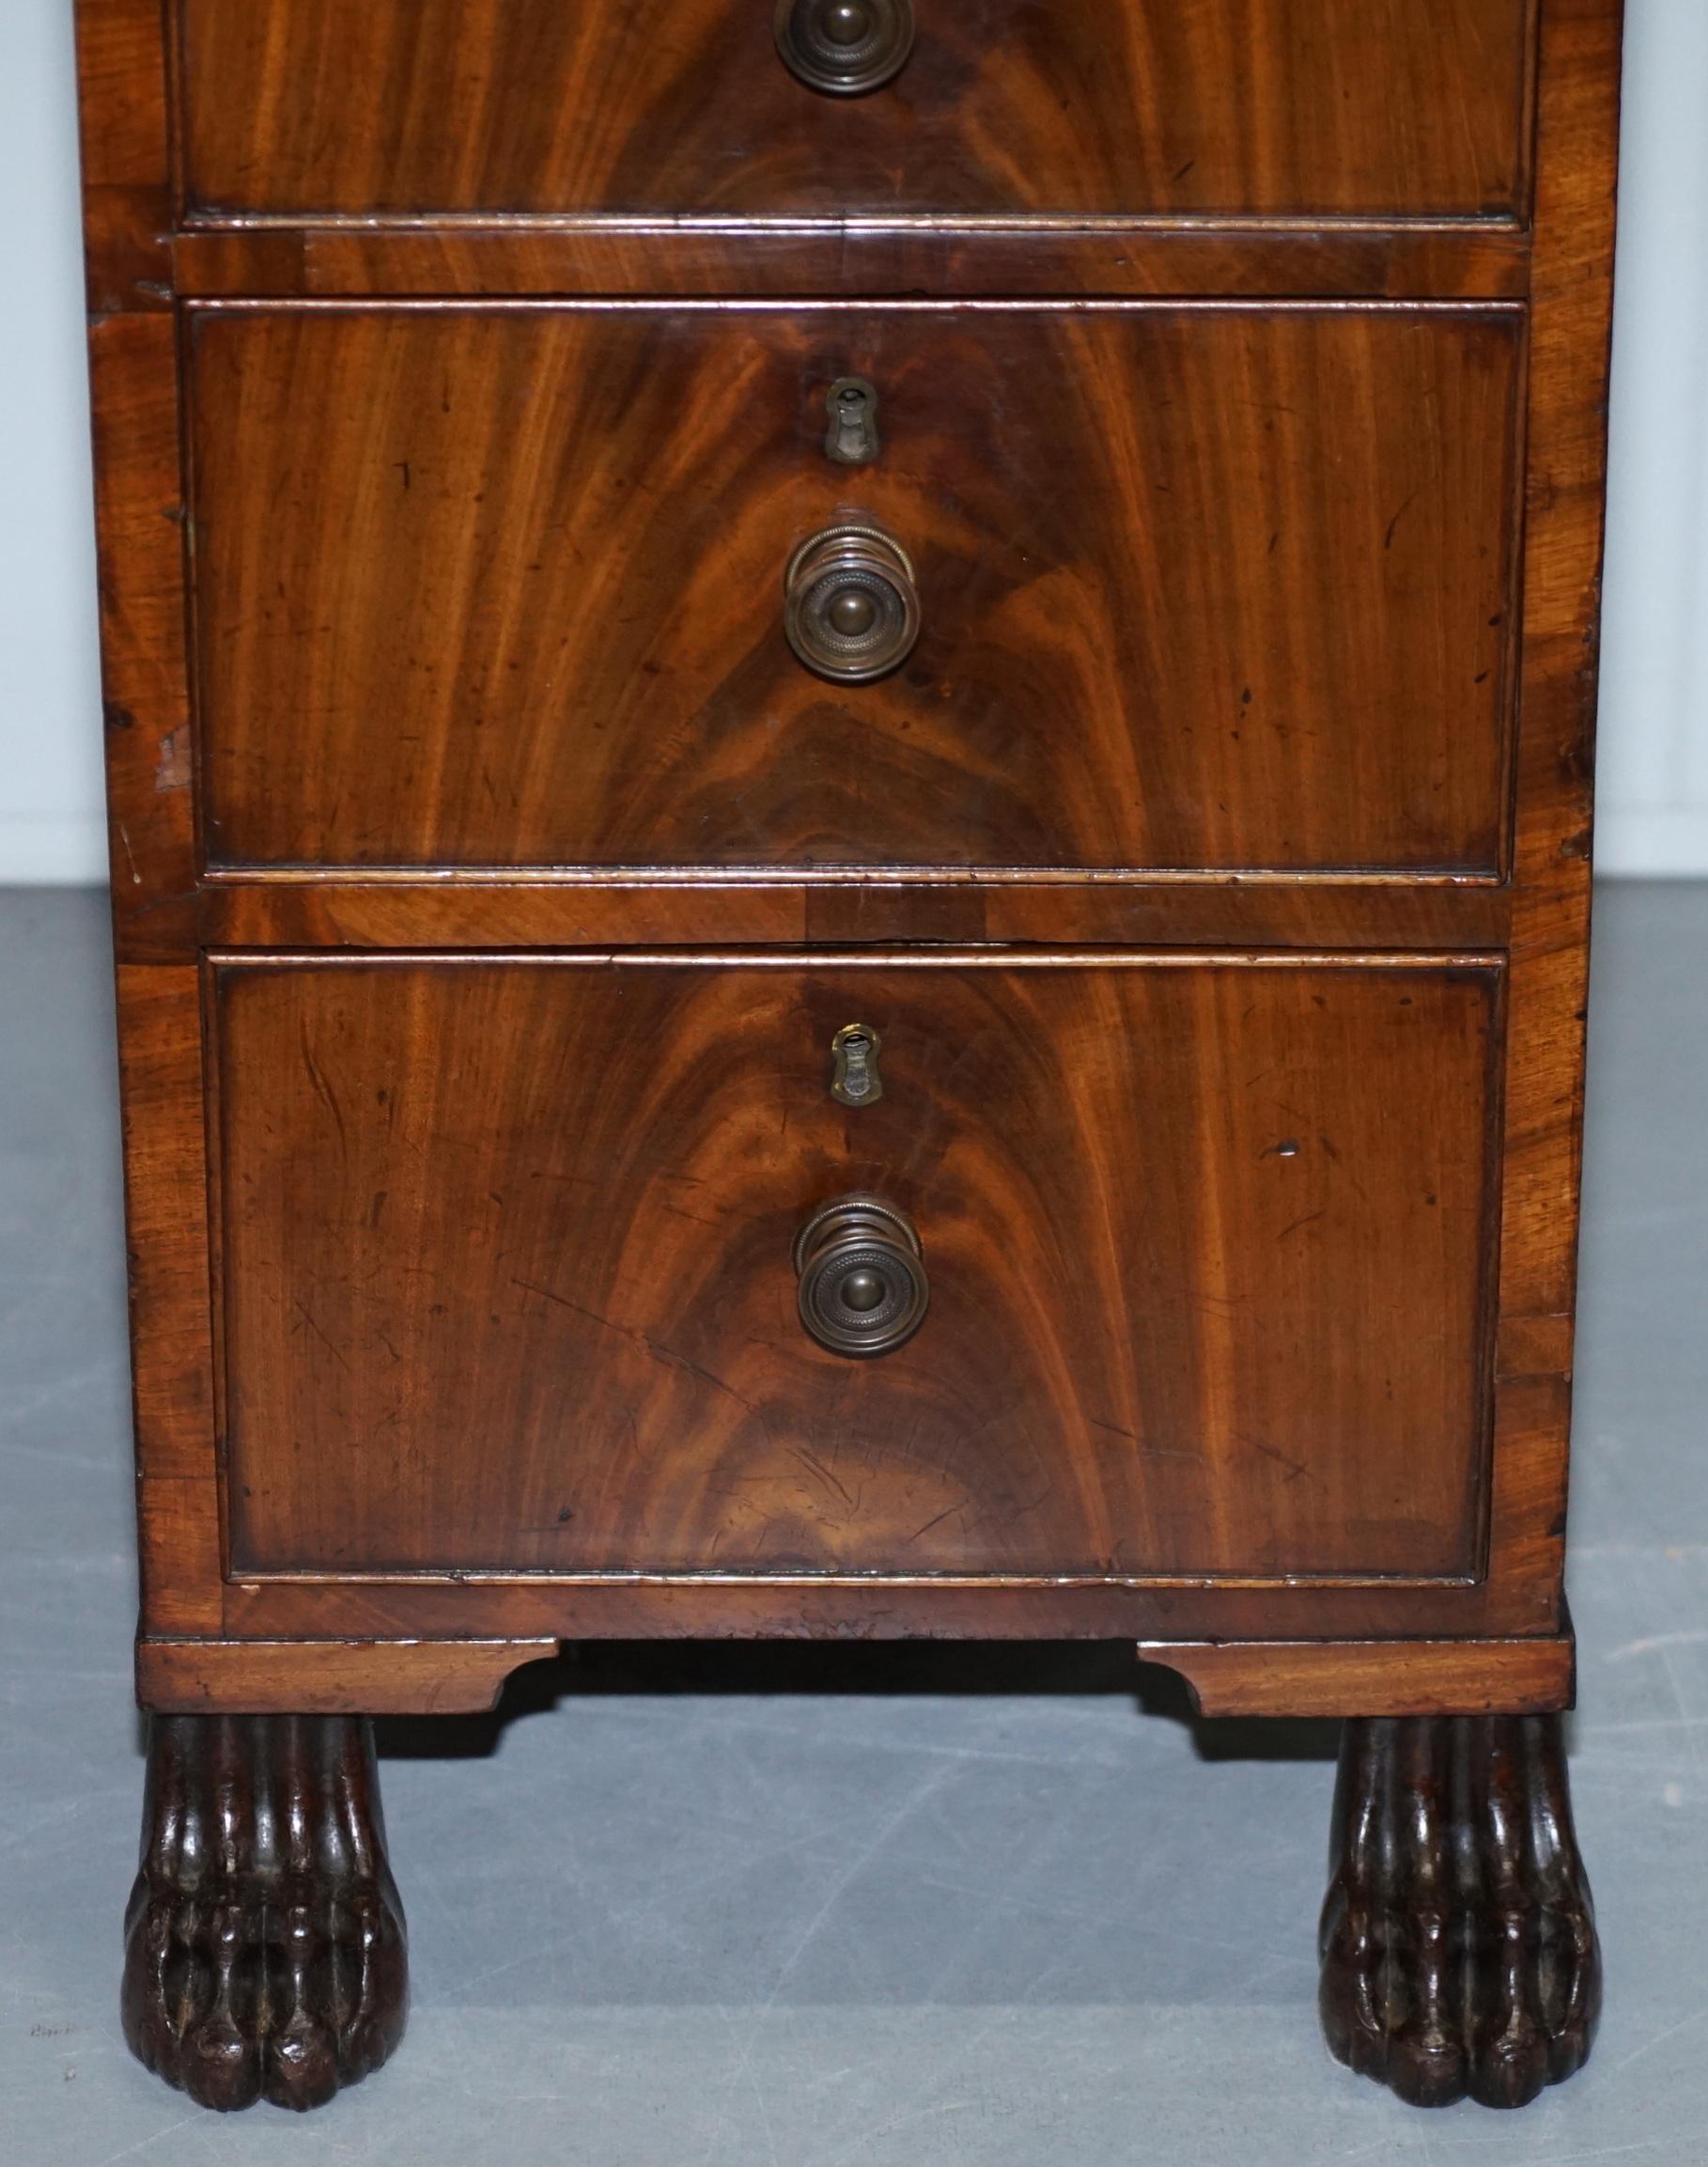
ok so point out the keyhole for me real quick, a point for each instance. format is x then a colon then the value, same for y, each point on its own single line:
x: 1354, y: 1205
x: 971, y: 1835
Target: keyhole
x: 852, y: 405
x: 854, y: 1078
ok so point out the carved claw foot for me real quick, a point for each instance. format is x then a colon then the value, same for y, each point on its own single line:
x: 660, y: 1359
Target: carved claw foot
x: 1458, y: 1941
x: 264, y: 1943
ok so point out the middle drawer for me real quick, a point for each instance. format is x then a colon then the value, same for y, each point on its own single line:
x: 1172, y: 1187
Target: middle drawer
x: 1197, y: 585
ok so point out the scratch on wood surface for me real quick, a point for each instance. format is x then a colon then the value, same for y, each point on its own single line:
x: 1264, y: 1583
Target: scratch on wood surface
x: 172, y: 765
x: 323, y: 1090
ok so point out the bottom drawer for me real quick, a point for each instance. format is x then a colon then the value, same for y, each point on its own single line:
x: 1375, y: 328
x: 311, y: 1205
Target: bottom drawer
x: 510, y: 1259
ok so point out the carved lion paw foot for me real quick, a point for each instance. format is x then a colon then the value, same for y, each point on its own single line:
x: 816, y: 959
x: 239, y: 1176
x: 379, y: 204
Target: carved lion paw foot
x: 265, y: 1952
x: 1458, y: 1940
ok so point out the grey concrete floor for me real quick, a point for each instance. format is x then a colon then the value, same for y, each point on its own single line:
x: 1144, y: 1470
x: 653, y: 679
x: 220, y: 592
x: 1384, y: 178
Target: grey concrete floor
x: 851, y: 1908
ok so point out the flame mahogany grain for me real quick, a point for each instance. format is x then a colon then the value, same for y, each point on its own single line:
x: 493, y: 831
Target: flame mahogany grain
x: 426, y: 552
x: 1202, y: 586
x: 509, y: 1284
x: 168, y: 913
x: 1378, y: 107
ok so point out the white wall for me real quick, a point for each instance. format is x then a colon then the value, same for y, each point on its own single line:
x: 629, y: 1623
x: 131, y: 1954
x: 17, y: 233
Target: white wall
x: 51, y: 826
x: 1652, y: 773
x: 1654, y: 806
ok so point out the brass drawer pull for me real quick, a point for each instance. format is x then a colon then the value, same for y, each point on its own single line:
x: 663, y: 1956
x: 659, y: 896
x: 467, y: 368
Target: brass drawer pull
x: 850, y: 607
x: 844, y: 47
x: 863, y: 1288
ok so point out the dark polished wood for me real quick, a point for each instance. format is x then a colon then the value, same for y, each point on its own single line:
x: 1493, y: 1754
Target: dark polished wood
x: 1208, y: 587
x: 133, y: 378
x: 1299, y: 1678
x: 1566, y: 441
x: 1450, y: 1644
x: 508, y: 1277
x: 1416, y: 1677
x: 428, y: 909
x: 338, y: 1676
x: 1371, y: 107
x: 162, y: 922
x: 491, y: 884
x: 1464, y: 260
x: 127, y: 166
x: 163, y: 1091
x: 265, y: 1949
x: 1458, y: 1939
x: 187, y: 1596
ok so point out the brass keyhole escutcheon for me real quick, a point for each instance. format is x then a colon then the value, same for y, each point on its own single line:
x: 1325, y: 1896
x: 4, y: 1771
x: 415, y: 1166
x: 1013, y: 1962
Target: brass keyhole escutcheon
x: 851, y: 439
x: 861, y: 1270
x: 854, y: 1077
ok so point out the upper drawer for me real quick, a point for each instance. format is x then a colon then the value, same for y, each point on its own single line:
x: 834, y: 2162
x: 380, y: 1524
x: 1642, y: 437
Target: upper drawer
x: 1308, y: 107
x: 1197, y: 587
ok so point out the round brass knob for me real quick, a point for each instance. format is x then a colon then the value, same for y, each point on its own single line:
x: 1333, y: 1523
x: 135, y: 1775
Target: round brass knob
x: 863, y: 1288
x: 844, y: 47
x: 850, y: 606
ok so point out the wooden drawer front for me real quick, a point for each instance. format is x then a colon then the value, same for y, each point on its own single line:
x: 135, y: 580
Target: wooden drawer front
x: 684, y: 107
x: 506, y: 1259
x: 1201, y: 586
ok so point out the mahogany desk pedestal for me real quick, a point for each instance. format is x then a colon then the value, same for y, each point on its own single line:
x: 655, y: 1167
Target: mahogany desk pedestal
x: 849, y: 755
